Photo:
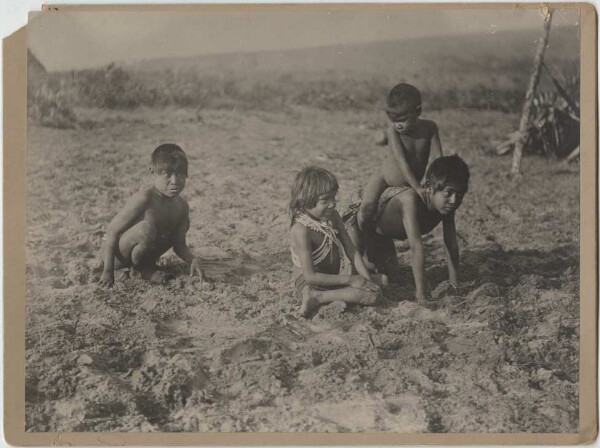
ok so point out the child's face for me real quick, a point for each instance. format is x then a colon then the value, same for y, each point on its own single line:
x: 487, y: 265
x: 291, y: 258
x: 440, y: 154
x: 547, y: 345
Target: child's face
x: 324, y: 206
x: 168, y: 183
x: 449, y: 198
x: 404, y: 119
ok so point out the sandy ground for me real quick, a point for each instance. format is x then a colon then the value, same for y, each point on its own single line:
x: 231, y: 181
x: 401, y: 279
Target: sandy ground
x: 235, y: 356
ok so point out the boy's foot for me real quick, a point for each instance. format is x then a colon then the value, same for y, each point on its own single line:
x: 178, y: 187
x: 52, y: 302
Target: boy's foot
x: 428, y: 303
x: 153, y: 274
x: 309, y: 302
x: 380, y: 279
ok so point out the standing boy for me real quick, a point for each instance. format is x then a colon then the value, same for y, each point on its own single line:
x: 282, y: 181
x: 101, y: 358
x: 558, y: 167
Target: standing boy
x: 412, y: 142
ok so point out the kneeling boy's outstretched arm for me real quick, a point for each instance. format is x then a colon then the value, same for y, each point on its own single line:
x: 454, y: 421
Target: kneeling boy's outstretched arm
x: 181, y: 248
x: 451, y: 249
x: 122, y: 222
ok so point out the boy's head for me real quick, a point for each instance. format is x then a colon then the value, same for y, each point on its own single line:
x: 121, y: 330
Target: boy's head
x: 169, y: 166
x: 313, y: 190
x: 170, y: 158
x: 403, y: 106
x: 448, y: 181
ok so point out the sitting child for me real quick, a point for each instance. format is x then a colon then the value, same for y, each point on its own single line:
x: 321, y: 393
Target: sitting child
x: 154, y: 220
x: 402, y: 215
x: 318, y: 243
x: 411, y: 141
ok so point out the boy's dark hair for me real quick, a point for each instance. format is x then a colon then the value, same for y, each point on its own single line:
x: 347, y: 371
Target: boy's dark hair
x: 403, y: 97
x: 169, y: 158
x: 448, y: 169
x: 310, y: 183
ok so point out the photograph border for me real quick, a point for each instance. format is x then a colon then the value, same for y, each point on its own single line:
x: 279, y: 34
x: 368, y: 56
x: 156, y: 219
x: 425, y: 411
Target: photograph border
x: 15, y: 225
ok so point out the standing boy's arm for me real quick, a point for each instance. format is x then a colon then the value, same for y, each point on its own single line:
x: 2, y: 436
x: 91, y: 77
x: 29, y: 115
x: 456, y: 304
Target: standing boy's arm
x: 436, y: 145
x: 451, y: 249
x: 399, y: 155
x: 413, y: 233
x: 130, y: 212
x: 181, y: 248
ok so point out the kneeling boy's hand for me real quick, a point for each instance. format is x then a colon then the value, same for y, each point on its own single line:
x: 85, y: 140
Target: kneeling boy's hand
x: 196, y: 269
x: 107, y: 279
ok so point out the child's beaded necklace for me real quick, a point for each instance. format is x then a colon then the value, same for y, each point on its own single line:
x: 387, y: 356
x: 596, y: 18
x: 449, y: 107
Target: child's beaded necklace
x: 330, y: 237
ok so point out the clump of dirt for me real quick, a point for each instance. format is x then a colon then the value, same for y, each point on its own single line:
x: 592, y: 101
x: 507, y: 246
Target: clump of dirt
x: 498, y: 354
x: 331, y: 311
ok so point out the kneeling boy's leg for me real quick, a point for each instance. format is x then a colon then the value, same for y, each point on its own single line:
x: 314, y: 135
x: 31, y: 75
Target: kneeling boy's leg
x: 382, y: 252
x: 372, y: 192
x: 136, y: 245
x: 138, y: 249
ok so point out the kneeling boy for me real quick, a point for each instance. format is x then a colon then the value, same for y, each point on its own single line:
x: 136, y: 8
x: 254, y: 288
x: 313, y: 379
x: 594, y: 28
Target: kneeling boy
x: 154, y: 220
x: 402, y: 215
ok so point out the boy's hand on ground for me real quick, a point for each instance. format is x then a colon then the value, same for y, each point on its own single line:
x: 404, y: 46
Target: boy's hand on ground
x: 360, y: 282
x: 107, y: 279
x: 196, y: 269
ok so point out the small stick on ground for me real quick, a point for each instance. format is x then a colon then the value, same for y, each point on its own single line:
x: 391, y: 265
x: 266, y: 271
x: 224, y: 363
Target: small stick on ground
x: 371, y: 340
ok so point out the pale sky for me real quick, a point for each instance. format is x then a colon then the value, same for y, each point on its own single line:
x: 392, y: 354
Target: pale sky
x: 72, y: 40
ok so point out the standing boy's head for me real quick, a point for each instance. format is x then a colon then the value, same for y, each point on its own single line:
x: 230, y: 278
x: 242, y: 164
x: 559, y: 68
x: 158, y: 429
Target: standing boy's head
x: 448, y: 181
x: 169, y: 167
x: 403, y: 106
x: 314, y: 190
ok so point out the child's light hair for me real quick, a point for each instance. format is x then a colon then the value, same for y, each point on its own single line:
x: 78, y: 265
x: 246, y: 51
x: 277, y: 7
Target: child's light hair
x: 444, y: 170
x: 310, y: 183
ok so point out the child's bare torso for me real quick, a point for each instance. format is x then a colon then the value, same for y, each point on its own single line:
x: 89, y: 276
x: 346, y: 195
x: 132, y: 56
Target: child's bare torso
x: 418, y: 147
x: 165, y: 218
x: 331, y: 263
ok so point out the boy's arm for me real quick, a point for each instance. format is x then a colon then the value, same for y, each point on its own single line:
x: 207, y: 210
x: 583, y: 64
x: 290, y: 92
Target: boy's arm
x: 399, y: 155
x: 351, y: 252
x: 436, y: 144
x: 413, y: 233
x: 451, y: 249
x: 180, y: 246
x: 123, y: 221
x: 300, y: 240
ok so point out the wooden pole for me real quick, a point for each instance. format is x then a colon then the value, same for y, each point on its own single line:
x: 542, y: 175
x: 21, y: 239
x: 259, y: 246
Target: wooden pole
x: 533, y: 82
x: 572, y: 156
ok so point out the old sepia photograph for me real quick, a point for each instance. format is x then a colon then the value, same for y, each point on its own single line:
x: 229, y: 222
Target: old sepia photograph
x: 324, y: 219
